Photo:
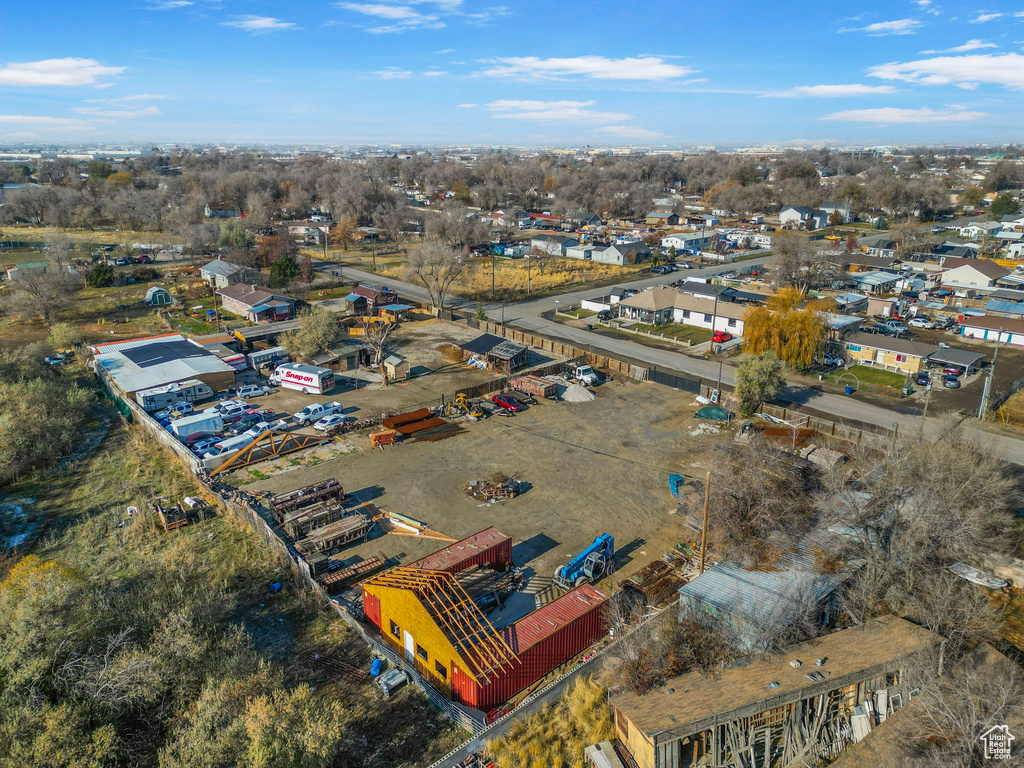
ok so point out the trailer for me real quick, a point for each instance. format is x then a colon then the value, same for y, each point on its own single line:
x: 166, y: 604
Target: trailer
x: 331, y: 538
x: 207, y: 422
x: 158, y: 398
x: 285, y: 503
x: 535, y: 386
x: 260, y: 358
x: 317, y: 515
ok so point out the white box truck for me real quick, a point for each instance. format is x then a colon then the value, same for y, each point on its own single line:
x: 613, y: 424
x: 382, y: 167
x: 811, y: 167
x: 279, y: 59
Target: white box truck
x: 207, y: 422
x: 158, y: 398
x: 308, y: 379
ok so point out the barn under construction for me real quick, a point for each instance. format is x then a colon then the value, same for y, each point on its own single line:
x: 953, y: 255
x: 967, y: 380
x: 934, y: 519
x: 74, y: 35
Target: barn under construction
x: 428, y: 610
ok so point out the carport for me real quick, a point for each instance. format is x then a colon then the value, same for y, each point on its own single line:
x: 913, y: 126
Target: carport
x: 969, y: 361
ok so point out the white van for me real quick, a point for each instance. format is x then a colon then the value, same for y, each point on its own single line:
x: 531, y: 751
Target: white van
x: 231, y: 445
x: 308, y: 379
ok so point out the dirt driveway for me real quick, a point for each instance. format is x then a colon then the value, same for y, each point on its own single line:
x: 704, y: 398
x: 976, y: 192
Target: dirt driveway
x: 591, y: 468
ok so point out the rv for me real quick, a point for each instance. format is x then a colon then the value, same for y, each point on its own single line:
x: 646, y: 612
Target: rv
x: 158, y: 398
x: 308, y: 379
x: 264, y: 357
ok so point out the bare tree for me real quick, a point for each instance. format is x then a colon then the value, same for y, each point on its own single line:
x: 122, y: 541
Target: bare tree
x: 46, y: 292
x: 456, y: 226
x: 377, y: 336
x: 436, y: 267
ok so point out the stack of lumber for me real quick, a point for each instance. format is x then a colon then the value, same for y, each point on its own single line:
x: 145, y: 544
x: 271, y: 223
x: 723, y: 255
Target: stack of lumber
x: 342, y: 579
x: 383, y: 437
x: 419, y: 424
x: 332, y: 537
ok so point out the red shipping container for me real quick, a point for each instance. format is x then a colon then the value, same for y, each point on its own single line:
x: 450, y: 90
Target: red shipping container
x: 371, y: 609
x: 490, y: 547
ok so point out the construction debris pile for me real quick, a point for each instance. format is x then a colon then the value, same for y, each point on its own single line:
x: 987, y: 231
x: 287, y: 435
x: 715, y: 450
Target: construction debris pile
x: 421, y: 425
x: 485, y: 491
x: 316, y: 518
x: 704, y: 428
x: 573, y: 392
x: 659, y: 582
x: 342, y: 579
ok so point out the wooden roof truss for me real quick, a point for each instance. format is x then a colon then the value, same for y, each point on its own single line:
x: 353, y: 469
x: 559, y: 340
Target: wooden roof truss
x: 474, y: 637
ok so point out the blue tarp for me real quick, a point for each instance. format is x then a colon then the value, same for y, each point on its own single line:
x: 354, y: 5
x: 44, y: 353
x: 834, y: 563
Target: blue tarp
x: 353, y: 297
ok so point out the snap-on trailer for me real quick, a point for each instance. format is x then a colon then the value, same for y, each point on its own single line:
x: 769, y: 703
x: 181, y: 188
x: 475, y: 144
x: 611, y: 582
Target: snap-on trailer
x: 332, y: 537
x: 308, y: 379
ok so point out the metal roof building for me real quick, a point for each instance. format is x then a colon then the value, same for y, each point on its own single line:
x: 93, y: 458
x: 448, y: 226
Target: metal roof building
x: 156, y: 362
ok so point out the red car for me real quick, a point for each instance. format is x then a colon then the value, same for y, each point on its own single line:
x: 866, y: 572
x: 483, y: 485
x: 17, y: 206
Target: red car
x: 719, y: 336
x: 508, y: 402
x: 953, y: 370
x: 144, y: 259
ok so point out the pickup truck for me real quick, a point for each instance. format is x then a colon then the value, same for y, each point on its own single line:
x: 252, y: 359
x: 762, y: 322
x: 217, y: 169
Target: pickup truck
x: 316, y: 411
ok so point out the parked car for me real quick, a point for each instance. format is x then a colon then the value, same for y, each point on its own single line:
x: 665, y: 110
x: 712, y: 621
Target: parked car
x: 120, y: 262
x: 176, y: 411
x: 923, y: 379
x: 684, y: 265
x: 605, y: 314
x: 920, y: 321
x: 953, y: 370
x: 719, y: 337
x: 327, y: 422
x: 205, y: 445
x: 660, y: 270
x: 144, y: 259
x: 257, y: 429
x: 229, y: 404
x: 951, y: 382
x: 251, y: 390
x: 508, y: 403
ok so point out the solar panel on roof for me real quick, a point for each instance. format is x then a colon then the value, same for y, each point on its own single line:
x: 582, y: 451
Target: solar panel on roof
x: 155, y: 354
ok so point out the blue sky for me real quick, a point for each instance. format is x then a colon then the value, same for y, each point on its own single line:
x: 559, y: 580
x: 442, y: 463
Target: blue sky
x: 472, y: 71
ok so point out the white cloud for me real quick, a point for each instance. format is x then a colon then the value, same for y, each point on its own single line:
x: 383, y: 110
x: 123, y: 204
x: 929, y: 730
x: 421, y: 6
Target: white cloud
x: 39, y: 120
x: 1006, y: 69
x: 982, y: 17
x: 890, y: 115
x: 404, y: 17
x: 259, y: 25
x: 444, y: 51
x: 435, y: 73
x: 129, y: 97
x: 166, y: 5
x: 897, y: 27
x: 588, y: 67
x: 927, y: 6
x: 69, y: 71
x: 468, y: 106
x: 628, y: 132
x: 393, y: 73
x: 117, y: 114
x: 970, y: 45
x: 553, y: 111
x: 833, y: 91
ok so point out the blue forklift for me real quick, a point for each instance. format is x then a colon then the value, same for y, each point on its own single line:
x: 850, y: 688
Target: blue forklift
x: 589, y: 565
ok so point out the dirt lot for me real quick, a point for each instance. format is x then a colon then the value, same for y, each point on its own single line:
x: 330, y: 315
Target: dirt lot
x: 591, y: 468
x: 434, y: 376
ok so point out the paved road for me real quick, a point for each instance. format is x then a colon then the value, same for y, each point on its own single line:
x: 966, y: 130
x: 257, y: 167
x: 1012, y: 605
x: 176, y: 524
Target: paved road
x: 527, y: 316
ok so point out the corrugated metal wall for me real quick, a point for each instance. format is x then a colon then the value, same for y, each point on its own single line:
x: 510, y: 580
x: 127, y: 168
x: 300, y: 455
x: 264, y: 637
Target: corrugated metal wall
x: 371, y: 608
x: 537, y: 661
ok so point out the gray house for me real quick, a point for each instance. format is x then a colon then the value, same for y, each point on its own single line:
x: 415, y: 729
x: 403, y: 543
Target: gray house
x: 221, y: 274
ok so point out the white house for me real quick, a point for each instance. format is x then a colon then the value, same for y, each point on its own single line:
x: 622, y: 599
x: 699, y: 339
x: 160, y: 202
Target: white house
x: 845, y: 211
x: 979, y: 274
x: 802, y: 217
x: 977, y: 230
x: 554, y: 245
x: 990, y: 328
x: 1012, y: 228
x: 688, y: 241
x: 702, y: 313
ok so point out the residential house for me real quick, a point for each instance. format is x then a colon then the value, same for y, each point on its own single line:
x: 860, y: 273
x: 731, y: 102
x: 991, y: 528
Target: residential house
x: 367, y: 300
x: 581, y: 219
x: 709, y: 220
x: 602, y: 303
x: 1005, y: 330
x: 802, y: 217
x: 956, y: 250
x: 661, y: 219
x: 257, y: 304
x: 1012, y: 227
x: 621, y: 254
x: 747, y: 713
x: 879, y: 245
x: 310, y: 232
x: 900, y: 355
x: 220, y: 211
x: 701, y: 312
x: 874, y: 282
x: 653, y: 306
x: 863, y: 262
x: 688, y: 241
x: 845, y: 211
x: 544, y: 221
x: 708, y: 290
x: 220, y: 274
x: 979, y: 230
x: 552, y: 244
x: 979, y: 274
x: 158, y: 297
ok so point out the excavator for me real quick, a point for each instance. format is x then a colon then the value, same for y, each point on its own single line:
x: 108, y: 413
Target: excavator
x: 461, y: 406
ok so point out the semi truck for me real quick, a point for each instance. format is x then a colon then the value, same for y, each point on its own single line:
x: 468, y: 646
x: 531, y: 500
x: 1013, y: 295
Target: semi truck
x: 158, y: 398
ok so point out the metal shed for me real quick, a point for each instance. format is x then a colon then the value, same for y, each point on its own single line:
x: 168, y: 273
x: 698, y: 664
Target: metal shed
x: 962, y: 357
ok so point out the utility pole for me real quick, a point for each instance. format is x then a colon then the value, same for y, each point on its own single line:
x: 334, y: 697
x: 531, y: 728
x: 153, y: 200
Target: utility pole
x: 704, y: 522
x: 983, y: 406
x: 720, y: 364
x: 493, y: 260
